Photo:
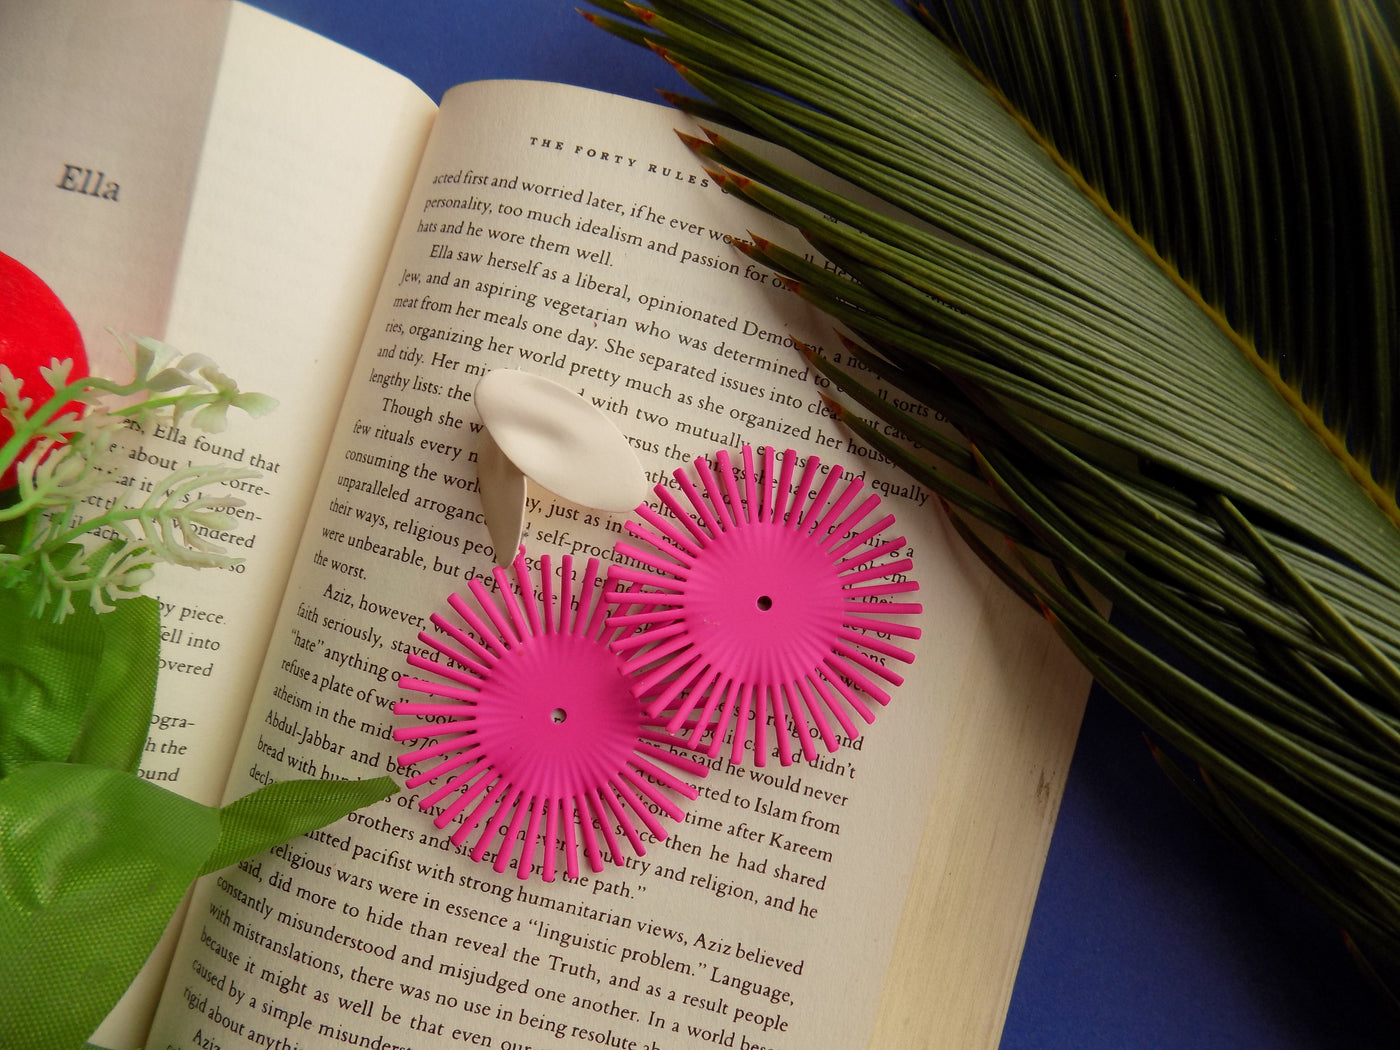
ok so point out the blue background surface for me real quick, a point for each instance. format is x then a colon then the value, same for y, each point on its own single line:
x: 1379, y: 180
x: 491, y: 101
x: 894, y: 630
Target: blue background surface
x: 1150, y: 930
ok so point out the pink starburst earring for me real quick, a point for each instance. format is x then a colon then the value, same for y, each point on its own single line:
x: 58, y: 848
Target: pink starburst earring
x: 757, y: 599
x: 535, y: 728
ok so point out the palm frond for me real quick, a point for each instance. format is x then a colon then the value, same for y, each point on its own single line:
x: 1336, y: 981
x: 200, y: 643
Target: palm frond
x: 1141, y: 255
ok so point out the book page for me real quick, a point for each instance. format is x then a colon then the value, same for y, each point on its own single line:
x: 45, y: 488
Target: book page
x: 237, y: 200
x: 308, y: 158
x: 570, y: 234
x: 209, y: 175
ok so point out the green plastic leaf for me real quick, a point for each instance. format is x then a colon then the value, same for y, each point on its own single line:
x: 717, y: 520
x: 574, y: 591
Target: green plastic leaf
x: 47, y: 672
x: 92, y: 864
x: 118, y: 716
x: 284, y: 810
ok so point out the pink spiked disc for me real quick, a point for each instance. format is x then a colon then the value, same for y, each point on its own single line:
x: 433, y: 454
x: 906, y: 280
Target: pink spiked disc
x: 761, y: 597
x: 535, y: 729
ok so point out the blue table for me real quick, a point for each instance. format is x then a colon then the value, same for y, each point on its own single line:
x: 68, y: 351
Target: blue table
x: 1150, y: 930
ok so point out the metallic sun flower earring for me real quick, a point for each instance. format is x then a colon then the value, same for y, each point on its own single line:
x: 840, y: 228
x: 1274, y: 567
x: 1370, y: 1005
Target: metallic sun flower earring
x: 533, y: 728
x: 754, y: 599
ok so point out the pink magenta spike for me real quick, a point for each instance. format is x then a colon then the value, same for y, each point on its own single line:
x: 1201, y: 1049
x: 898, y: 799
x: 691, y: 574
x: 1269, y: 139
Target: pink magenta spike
x: 547, y: 594
x: 670, y: 550
x: 765, y: 501
x: 674, y: 654
x: 474, y: 644
x: 668, y: 780
x: 604, y: 812
x: 673, y: 688
x: 463, y: 744
x: 417, y: 685
x: 870, y: 664
x: 875, y: 572
x: 646, y: 557
x: 716, y: 722
x: 838, y: 712
x: 680, y: 762
x: 469, y: 675
x: 566, y: 593
x: 591, y: 853
x: 517, y: 821
x: 457, y: 634
x: 551, y: 836
x: 855, y: 539
x: 848, y: 673
x: 723, y: 511
x: 691, y: 698
x: 514, y: 612
x: 760, y: 726
x: 702, y: 509
x: 643, y: 579
x: 818, y: 716
x: 780, y: 726
x: 657, y: 613
x: 666, y: 673
x: 641, y: 638
x: 710, y: 517
x: 820, y: 500
x: 429, y: 803
x: 505, y: 804
x: 673, y: 505
x: 585, y: 598
x: 640, y: 599
x: 519, y: 628
x: 489, y: 638
x: 772, y: 596
x: 824, y: 526
x: 637, y: 793
x: 741, y: 724
x: 860, y: 606
x: 664, y: 614
x: 875, y: 643
x: 804, y: 488
x: 898, y: 587
x: 598, y: 619
x: 731, y: 490
x: 849, y: 695
x: 462, y: 778
x: 784, y: 486
x: 527, y: 590
x: 662, y: 526
x: 501, y: 625
x: 870, y: 554
x: 418, y: 732
x: 532, y: 831
x: 545, y: 731
x: 750, y: 483
x: 427, y: 776
x: 493, y: 790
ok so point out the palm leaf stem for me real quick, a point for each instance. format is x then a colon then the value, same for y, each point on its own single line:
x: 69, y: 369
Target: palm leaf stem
x: 1086, y: 631
x: 730, y: 93
x: 1221, y: 810
x: 1140, y: 257
x: 1344, y: 798
x: 1201, y: 552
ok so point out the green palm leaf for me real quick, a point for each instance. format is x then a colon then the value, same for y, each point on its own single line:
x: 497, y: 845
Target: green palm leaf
x: 1144, y: 262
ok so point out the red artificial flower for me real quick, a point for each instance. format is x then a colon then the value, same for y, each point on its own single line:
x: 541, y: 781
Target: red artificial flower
x: 35, y: 328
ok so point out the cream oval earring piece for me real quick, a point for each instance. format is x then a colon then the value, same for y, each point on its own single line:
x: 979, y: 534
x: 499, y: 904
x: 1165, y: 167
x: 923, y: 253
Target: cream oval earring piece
x: 554, y: 437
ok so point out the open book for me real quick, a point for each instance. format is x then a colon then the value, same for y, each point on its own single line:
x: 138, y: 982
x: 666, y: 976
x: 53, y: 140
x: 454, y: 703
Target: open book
x: 313, y: 223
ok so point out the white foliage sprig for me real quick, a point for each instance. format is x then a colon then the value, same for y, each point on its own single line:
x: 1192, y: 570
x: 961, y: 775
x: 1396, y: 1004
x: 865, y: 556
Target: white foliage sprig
x: 76, y: 531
